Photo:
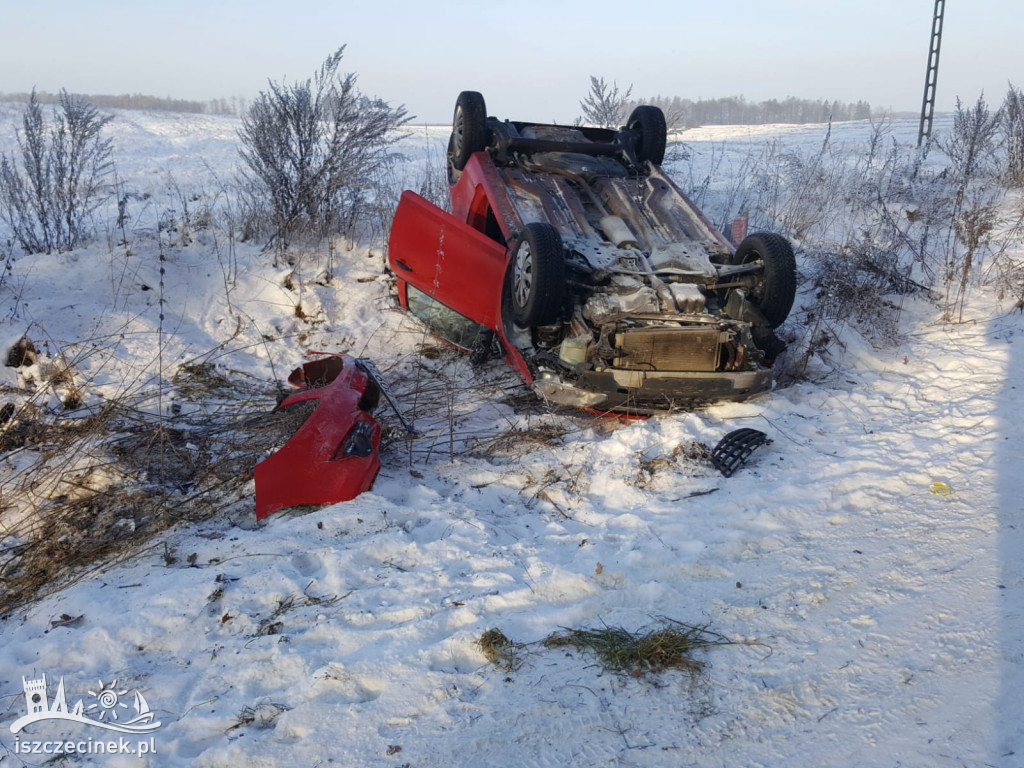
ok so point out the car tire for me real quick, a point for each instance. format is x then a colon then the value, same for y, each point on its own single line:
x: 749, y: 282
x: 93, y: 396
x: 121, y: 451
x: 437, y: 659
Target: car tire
x: 649, y: 123
x: 536, y: 279
x: 469, y: 129
x: 776, y: 291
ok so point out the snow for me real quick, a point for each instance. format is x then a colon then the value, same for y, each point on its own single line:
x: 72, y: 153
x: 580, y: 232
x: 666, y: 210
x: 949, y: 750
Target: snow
x: 878, y: 624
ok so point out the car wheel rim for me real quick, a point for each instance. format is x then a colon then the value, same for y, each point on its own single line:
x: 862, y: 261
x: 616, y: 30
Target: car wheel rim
x: 457, y: 128
x: 522, y: 275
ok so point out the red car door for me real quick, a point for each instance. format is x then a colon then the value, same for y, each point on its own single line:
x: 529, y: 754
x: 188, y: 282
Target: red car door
x: 447, y: 260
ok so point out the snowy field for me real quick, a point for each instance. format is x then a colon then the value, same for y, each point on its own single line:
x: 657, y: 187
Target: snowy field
x: 876, y: 623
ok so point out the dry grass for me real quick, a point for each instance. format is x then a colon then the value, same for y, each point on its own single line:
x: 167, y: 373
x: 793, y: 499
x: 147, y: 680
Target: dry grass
x: 198, y: 379
x: 500, y: 651
x: 649, y: 650
x: 669, y: 646
x: 519, y: 439
x: 695, y: 450
x: 90, y: 490
x: 261, y: 716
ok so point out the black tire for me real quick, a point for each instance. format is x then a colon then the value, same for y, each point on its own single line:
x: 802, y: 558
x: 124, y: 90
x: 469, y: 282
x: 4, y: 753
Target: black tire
x: 536, y: 279
x: 469, y: 128
x: 776, y: 289
x: 649, y: 123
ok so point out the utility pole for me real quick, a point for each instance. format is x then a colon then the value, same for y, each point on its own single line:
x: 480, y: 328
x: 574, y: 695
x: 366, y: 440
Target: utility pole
x: 931, y: 77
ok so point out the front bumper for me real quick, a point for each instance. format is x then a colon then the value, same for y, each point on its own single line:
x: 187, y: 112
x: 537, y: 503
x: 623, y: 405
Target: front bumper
x: 644, y: 393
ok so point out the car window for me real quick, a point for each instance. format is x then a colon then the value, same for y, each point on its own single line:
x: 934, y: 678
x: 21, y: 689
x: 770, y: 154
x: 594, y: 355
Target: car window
x: 444, y: 321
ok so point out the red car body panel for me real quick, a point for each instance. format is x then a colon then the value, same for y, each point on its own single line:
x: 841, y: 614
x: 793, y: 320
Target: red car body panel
x: 333, y: 455
x: 477, y: 294
x: 480, y: 191
x: 425, y: 241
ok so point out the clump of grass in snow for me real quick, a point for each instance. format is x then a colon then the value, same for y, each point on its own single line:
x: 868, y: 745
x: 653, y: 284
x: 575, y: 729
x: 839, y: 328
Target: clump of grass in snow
x: 196, y: 380
x: 261, y: 716
x: 669, y: 646
x: 499, y: 650
x: 647, y: 650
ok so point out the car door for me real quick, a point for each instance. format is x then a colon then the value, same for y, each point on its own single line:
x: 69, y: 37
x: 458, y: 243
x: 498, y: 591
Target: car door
x: 447, y: 260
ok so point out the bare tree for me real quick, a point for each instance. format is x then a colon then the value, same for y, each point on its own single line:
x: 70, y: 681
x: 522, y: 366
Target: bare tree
x: 310, y: 149
x: 62, y: 178
x: 605, y: 106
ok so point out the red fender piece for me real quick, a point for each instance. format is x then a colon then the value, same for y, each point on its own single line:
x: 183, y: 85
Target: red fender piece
x: 333, y: 455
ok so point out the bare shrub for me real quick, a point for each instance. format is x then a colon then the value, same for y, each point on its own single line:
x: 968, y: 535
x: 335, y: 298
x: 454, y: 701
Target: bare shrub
x: 1006, y: 268
x: 605, y: 105
x: 697, y: 186
x: 389, y: 179
x: 1012, y: 126
x: 784, y: 189
x: 62, y: 176
x: 432, y: 182
x: 310, y: 149
x: 852, y: 284
x: 813, y: 183
x: 972, y: 150
x: 972, y: 145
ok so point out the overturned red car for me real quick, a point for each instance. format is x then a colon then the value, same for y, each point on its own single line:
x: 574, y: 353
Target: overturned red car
x: 570, y: 254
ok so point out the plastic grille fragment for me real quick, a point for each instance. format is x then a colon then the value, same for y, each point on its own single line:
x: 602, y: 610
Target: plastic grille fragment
x: 733, y: 449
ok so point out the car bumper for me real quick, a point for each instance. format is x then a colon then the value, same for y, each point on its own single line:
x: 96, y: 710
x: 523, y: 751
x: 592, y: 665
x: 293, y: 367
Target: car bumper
x: 334, y: 454
x: 641, y: 393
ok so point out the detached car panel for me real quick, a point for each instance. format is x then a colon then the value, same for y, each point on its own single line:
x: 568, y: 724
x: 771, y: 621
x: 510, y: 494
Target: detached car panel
x: 333, y: 455
x: 569, y: 253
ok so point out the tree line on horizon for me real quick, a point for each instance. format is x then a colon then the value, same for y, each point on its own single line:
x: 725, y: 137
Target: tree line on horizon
x: 736, y: 110
x: 679, y: 112
x: 233, y: 106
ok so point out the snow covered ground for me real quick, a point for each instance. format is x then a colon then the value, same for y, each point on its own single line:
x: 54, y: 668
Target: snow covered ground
x: 878, y: 624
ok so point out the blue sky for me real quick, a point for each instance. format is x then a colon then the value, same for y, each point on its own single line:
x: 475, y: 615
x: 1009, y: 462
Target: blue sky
x: 530, y: 59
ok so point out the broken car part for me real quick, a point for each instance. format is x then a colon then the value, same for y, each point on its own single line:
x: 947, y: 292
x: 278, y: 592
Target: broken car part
x: 733, y: 449
x: 333, y: 455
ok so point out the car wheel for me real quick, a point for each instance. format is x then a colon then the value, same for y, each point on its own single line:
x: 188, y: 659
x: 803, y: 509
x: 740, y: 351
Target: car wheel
x: 537, y: 276
x: 469, y: 128
x: 649, y: 122
x: 776, y: 288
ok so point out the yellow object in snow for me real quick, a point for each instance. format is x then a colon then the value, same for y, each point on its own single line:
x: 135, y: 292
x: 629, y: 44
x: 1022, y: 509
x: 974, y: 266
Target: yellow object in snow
x: 940, y: 488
